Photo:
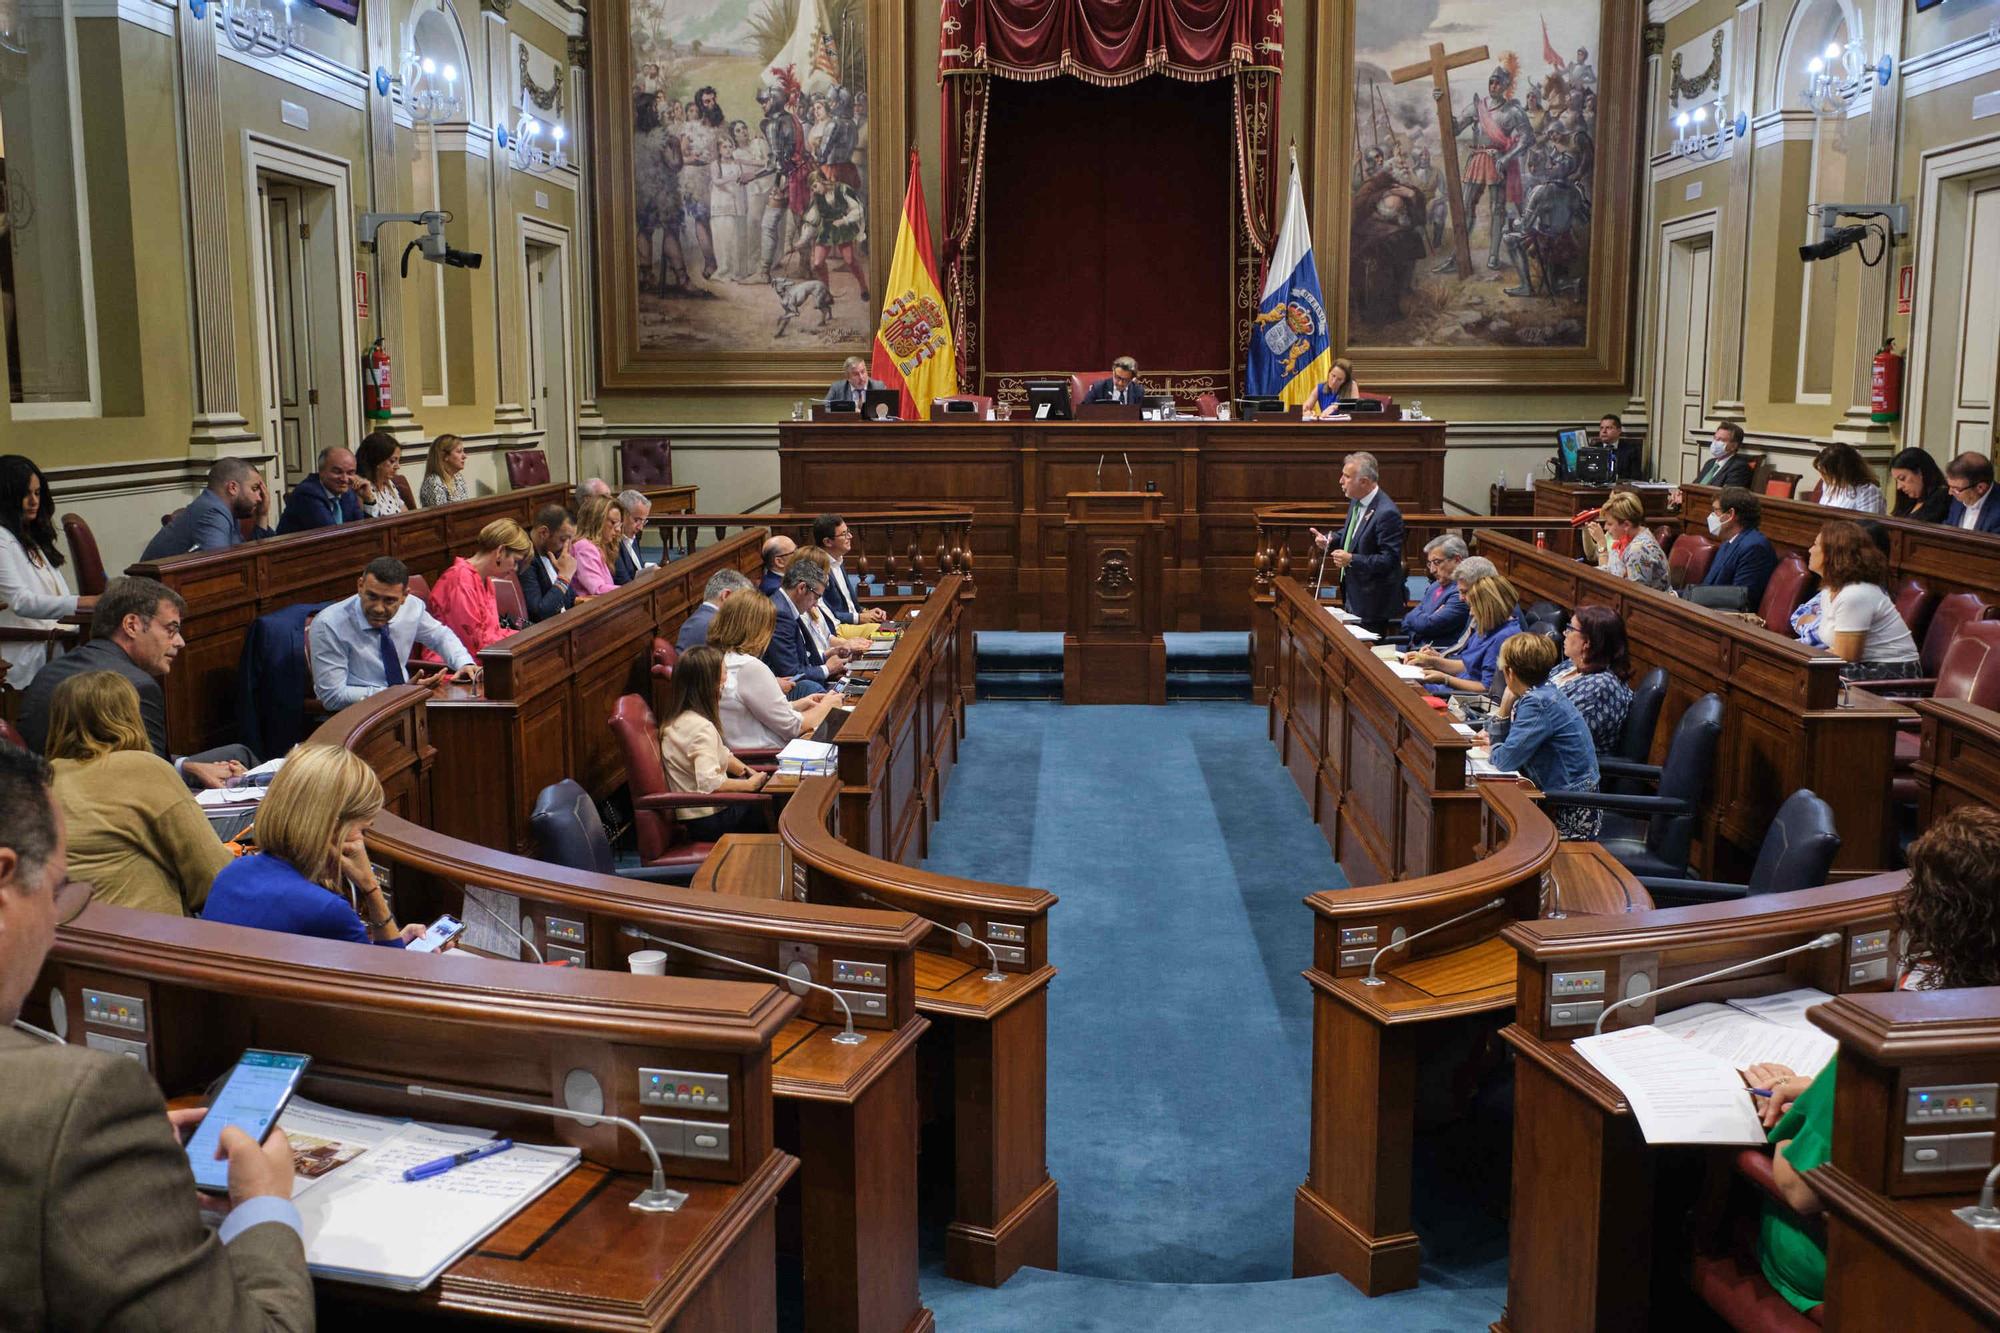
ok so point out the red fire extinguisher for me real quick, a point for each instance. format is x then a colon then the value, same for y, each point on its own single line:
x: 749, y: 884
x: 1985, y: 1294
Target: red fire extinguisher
x: 1885, y: 384
x: 375, y: 393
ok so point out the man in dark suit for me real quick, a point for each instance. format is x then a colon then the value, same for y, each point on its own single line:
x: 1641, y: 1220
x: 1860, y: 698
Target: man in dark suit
x: 1970, y: 480
x: 136, y: 632
x: 792, y: 653
x: 637, y: 509
x: 722, y: 585
x: 1439, y: 617
x: 777, y: 553
x: 853, y: 384
x: 547, y: 578
x: 832, y: 535
x: 1747, y: 557
x: 102, y: 1225
x: 325, y: 498
x: 1367, y: 557
x: 212, y: 521
x: 1122, y: 387
x: 1726, y: 465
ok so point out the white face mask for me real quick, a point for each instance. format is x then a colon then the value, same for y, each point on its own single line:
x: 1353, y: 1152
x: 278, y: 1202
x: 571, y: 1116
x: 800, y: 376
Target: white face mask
x: 1714, y: 524
x: 1717, y: 449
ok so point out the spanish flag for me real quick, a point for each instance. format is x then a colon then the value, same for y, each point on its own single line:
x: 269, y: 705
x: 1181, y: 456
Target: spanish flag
x: 913, y: 346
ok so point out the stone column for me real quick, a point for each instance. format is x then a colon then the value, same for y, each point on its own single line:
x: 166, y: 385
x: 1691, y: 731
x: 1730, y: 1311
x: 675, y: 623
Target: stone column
x: 219, y: 426
x: 1732, y: 234
x: 387, y: 191
x: 1637, y: 412
x: 1872, y: 286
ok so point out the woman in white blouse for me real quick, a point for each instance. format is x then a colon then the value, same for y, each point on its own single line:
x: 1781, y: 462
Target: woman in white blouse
x: 1846, y: 481
x: 693, y: 755
x: 1858, y: 622
x: 378, y: 460
x: 33, y: 592
x: 754, y: 711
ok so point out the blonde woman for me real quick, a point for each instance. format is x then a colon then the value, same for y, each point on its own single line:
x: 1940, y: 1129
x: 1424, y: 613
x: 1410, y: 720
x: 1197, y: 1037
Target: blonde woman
x: 1495, y: 608
x: 444, y: 473
x: 600, y: 525
x: 462, y: 598
x: 754, y: 712
x: 311, y: 875
x: 1626, y: 548
x: 134, y: 828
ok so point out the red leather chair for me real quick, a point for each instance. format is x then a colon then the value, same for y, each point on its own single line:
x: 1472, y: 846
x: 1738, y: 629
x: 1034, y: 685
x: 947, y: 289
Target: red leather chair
x: 1665, y: 534
x: 508, y: 601
x: 646, y: 460
x: 409, y: 496
x: 1781, y: 485
x: 1080, y: 382
x: 982, y: 403
x: 527, y: 467
x: 663, y: 658
x: 1207, y: 404
x: 1791, y: 583
x: 1725, y: 1273
x: 1688, y: 562
x: 1915, y: 604
x: 662, y: 842
x: 86, y: 565
x: 420, y: 588
x: 1969, y: 673
x: 10, y: 736
x: 1953, y: 614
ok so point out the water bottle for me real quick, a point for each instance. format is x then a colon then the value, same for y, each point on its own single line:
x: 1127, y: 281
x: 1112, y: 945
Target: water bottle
x: 1503, y: 478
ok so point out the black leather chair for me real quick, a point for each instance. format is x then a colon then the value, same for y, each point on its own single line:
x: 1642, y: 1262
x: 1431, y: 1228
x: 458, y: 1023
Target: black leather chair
x: 1797, y: 853
x: 1540, y: 616
x: 568, y: 832
x: 1642, y: 719
x: 1652, y: 835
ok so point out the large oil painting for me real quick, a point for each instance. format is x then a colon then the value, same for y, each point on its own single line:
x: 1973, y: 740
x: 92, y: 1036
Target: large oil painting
x: 1485, y: 179
x: 738, y: 240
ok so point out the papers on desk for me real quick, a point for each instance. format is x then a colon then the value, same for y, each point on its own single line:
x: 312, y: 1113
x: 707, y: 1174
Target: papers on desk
x: 1406, y: 672
x: 806, y: 758
x: 1479, y: 763
x: 1343, y: 615
x: 1682, y: 1075
x: 220, y: 798
x: 1365, y: 635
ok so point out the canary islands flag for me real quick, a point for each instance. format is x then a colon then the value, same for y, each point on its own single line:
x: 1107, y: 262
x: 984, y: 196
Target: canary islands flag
x: 1290, y: 349
x: 914, y: 351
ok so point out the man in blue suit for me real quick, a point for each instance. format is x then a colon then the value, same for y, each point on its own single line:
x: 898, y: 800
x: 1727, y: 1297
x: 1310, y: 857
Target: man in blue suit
x: 721, y: 586
x: 1367, y: 558
x: 1747, y: 556
x: 325, y: 498
x: 1970, y: 480
x: 792, y: 654
x: 1122, y: 387
x: 777, y: 553
x: 1439, y: 618
x: 638, y: 509
x: 547, y: 577
x: 211, y: 521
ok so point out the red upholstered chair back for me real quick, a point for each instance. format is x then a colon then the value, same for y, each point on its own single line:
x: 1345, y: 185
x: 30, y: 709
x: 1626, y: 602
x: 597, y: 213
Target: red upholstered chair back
x: 1382, y: 398
x: 527, y: 467
x: 639, y: 737
x: 1914, y: 603
x: 982, y: 403
x: 665, y: 657
x: 1953, y: 612
x: 1791, y: 583
x: 508, y: 601
x: 646, y: 460
x: 403, y: 489
x: 1971, y: 668
x: 1081, y: 380
x: 11, y: 736
x: 1206, y: 404
x: 1781, y: 485
x: 1665, y: 534
x: 1688, y: 562
x: 420, y: 588
x: 87, y: 564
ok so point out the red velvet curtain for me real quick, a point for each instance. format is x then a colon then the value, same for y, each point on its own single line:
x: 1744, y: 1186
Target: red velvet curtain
x: 1107, y: 42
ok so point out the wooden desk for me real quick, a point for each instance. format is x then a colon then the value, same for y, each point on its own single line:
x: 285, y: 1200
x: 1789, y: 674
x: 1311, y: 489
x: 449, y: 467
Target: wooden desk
x: 1959, y: 763
x: 745, y: 865
x: 1783, y: 727
x: 549, y: 692
x: 1211, y: 476
x: 1383, y: 773
x: 1596, y: 1214
x: 578, y: 1257
x: 226, y: 590
x: 1352, y: 1214
x: 849, y: 1112
x: 1564, y: 499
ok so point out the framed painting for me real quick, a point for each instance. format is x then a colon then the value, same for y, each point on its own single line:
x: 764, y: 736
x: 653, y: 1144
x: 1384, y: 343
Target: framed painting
x: 1479, y: 189
x: 742, y: 164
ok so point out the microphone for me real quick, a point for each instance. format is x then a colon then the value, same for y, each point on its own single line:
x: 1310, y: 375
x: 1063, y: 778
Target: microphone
x: 1982, y: 1216
x: 1825, y: 941
x: 1319, y: 573
x: 656, y: 1199
x: 993, y: 959
x: 848, y: 1038
x: 1130, y: 484
x: 507, y: 926
x: 1097, y: 482
x: 33, y: 1031
x: 1372, y: 980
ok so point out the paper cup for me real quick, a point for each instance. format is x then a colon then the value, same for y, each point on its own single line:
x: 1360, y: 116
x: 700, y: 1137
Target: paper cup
x: 648, y: 962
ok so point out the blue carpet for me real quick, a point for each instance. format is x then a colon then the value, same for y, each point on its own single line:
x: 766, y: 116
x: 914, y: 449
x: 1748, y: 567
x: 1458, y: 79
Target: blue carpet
x: 1029, y: 664
x: 1180, y: 1028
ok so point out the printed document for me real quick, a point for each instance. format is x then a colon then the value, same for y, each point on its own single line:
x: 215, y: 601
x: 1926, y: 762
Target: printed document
x: 1678, y: 1092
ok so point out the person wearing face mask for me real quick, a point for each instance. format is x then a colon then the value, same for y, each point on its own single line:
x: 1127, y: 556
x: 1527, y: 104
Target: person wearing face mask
x: 1747, y: 557
x: 1726, y: 465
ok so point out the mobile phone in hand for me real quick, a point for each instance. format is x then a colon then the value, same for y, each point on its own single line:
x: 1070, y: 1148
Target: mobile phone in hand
x: 440, y: 933
x: 252, y: 1098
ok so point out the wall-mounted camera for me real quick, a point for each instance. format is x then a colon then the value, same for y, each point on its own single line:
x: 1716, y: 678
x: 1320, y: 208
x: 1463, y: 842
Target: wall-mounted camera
x: 432, y: 244
x: 1887, y: 222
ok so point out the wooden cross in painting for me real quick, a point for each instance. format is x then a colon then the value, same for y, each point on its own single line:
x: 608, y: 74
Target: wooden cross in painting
x: 1438, y: 67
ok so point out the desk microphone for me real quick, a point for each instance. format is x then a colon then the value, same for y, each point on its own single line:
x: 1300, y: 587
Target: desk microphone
x: 848, y: 1038
x: 1826, y: 941
x: 993, y: 959
x: 33, y: 1031
x: 505, y: 925
x: 1097, y: 482
x: 657, y: 1199
x: 1130, y: 484
x: 1319, y: 574
x: 1372, y: 980
x: 1982, y: 1216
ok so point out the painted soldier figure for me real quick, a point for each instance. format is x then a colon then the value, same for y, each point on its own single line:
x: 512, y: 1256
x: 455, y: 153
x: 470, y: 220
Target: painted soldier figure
x: 790, y: 172
x: 1501, y: 138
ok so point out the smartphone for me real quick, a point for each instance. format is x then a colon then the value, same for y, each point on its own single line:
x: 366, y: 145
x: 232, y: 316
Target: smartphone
x: 252, y: 1098
x: 441, y: 932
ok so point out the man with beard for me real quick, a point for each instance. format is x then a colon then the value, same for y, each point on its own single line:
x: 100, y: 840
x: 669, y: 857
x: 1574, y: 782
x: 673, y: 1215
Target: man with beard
x: 656, y: 171
x: 703, y: 140
x: 791, y: 188
x: 1501, y: 137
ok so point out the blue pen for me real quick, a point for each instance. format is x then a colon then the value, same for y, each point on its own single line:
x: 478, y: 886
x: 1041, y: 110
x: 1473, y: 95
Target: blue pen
x: 443, y: 1164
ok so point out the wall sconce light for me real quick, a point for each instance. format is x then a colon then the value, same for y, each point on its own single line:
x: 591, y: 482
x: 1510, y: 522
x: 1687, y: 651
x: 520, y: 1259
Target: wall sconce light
x: 430, y: 90
x: 1841, y: 73
x: 525, y: 143
x: 1694, y: 138
x: 255, y: 30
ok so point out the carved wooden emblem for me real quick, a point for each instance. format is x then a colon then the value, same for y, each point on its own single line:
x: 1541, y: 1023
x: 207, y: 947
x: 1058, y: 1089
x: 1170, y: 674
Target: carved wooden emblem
x: 1114, y: 574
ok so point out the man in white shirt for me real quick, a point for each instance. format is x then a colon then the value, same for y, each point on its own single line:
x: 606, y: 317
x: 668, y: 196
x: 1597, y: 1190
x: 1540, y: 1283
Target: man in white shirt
x: 1969, y: 477
x: 627, y: 564
x: 359, y: 645
x: 832, y: 535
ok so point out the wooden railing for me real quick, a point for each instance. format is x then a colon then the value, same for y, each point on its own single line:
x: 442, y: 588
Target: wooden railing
x: 902, y: 546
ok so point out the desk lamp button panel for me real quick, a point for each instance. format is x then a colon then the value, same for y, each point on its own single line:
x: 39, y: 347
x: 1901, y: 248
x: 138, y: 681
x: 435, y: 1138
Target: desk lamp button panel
x: 124, y: 1012
x: 1962, y: 1103
x: 683, y: 1088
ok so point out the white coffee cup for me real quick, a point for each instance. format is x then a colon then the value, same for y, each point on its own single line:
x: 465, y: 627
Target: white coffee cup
x: 648, y: 962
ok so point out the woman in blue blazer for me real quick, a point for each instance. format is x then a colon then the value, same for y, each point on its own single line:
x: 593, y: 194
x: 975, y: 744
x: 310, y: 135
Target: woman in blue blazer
x: 1495, y: 608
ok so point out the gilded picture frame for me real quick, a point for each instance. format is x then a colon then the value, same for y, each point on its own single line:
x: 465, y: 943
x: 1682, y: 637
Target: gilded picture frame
x: 1419, y: 335
x: 658, y: 337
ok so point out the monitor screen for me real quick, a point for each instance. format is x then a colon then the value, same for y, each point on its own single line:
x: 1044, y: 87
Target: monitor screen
x: 1049, y: 400
x: 882, y: 405
x: 1568, y: 444
x: 1153, y: 402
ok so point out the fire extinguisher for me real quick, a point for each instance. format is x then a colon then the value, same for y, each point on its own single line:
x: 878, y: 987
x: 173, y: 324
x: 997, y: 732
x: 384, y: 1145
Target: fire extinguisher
x: 1885, y: 384
x: 375, y: 382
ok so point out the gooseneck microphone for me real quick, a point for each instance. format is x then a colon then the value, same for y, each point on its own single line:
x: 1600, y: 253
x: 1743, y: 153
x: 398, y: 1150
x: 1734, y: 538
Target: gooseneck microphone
x: 993, y: 959
x: 847, y: 1038
x: 505, y: 925
x: 1825, y: 941
x: 1372, y: 980
x: 1097, y: 482
x: 1983, y: 1215
x: 51, y: 1038
x: 1130, y: 484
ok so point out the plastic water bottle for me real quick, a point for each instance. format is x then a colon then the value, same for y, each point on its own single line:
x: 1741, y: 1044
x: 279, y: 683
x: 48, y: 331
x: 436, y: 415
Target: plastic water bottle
x: 1503, y: 478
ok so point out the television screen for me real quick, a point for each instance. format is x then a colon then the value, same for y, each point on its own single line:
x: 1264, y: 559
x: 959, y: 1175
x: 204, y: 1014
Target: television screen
x: 1568, y: 444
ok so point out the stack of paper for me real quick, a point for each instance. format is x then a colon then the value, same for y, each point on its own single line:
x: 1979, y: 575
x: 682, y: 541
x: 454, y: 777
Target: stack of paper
x: 807, y: 758
x: 1365, y: 635
x: 1343, y: 615
x: 1406, y: 672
